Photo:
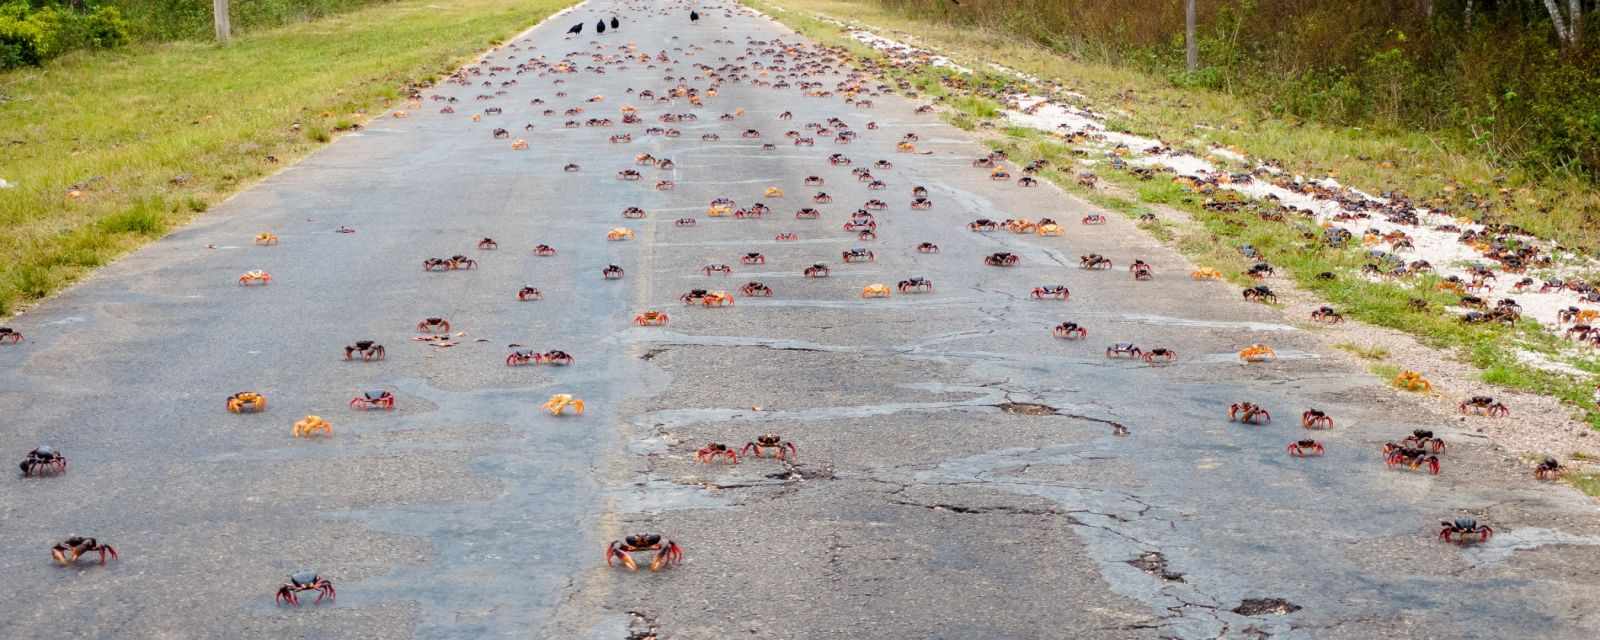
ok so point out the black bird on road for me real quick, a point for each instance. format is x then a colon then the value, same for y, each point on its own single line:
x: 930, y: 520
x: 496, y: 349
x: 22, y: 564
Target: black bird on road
x: 600, y: 27
x: 614, y: 23
x: 576, y: 29
x: 694, y: 16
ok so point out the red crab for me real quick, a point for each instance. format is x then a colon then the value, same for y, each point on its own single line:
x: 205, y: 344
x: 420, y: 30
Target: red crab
x: 633, y: 213
x: 1124, y: 350
x: 756, y: 289
x: 920, y: 204
x: 611, y: 272
x: 1093, y: 218
x: 554, y: 357
x: 68, y: 551
x: 684, y: 222
x: 927, y: 247
x: 1057, y: 291
x: 1462, y: 528
x: 916, y: 285
x: 715, y: 452
x: 1094, y: 261
x: 7, y: 334
x: 786, y: 237
x: 858, y: 255
x: 375, y: 399
x: 668, y: 553
x: 544, y: 250
x: 807, y: 214
x: 1160, y: 353
x: 1140, y: 270
x: 368, y: 349
x: 488, y: 244
x: 305, y: 581
x: 1484, y: 405
x: 1248, y: 413
x: 781, y: 450
x: 752, y: 258
x: 717, y: 268
x: 1304, y: 448
x: 1413, y: 459
x: 982, y: 225
x: 529, y: 293
x: 1070, y: 331
x: 1423, y: 439
x: 1002, y: 259
x: 1316, y: 419
x: 434, y: 325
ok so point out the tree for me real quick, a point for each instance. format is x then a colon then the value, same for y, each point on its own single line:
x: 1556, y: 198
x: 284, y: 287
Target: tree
x: 219, y: 19
x: 1192, y: 48
x: 1569, y: 28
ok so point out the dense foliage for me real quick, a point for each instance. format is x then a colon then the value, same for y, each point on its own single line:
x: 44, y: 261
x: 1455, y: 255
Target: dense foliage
x: 32, y: 31
x: 1492, y: 73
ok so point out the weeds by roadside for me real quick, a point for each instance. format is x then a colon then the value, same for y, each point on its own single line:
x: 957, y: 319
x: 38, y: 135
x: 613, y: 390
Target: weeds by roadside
x: 1223, y: 232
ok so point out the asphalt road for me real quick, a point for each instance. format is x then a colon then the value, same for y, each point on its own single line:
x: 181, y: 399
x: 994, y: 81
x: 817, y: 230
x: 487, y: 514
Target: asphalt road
x: 960, y: 471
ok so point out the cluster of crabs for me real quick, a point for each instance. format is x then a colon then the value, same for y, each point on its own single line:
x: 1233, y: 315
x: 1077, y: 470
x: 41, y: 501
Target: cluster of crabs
x: 1419, y: 451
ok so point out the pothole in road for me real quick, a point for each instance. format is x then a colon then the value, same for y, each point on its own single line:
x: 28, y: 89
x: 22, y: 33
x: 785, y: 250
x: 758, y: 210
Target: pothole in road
x: 1266, y: 606
x: 1153, y: 563
x: 1027, y: 409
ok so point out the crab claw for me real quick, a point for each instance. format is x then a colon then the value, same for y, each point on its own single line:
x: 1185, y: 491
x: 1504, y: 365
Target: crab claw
x: 286, y: 594
x: 325, y: 590
x: 1433, y: 465
x: 60, y: 555
x: 670, y: 554
x: 106, y: 548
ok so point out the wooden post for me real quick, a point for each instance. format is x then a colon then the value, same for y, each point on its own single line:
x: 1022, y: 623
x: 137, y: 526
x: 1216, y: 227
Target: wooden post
x: 219, y: 17
x: 1192, y: 48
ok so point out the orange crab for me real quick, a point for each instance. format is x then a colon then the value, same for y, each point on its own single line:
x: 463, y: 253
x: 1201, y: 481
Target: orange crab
x: 247, y: 402
x: 266, y: 238
x: 773, y: 192
x: 619, y: 233
x: 651, y: 319
x: 312, y: 425
x: 717, y: 299
x: 1205, y: 273
x: 718, y: 211
x: 875, y: 291
x: 1050, y: 230
x: 906, y: 147
x: 1257, y: 353
x: 559, y: 402
x: 1021, y: 225
x: 255, y: 277
x: 1412, y: 381
x: 519, y: 145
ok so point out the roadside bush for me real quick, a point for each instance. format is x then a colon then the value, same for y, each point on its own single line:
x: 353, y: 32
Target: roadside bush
x: 30, y: 35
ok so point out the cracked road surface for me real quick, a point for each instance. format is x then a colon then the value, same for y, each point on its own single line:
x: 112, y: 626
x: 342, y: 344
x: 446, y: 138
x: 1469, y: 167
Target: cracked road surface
x: 961, y: 472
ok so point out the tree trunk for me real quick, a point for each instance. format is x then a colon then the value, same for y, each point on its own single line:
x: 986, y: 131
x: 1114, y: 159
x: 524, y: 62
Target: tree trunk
x: 1192, y: 48
x: 1560, y: 22
x: 1575, y: 12
x: 1466, y: 17
x: 219, y: 18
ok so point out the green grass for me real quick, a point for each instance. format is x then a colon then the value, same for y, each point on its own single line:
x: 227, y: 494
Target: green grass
x: 1587, y: 482
x: 1365, y: 353
x: 153, y: 134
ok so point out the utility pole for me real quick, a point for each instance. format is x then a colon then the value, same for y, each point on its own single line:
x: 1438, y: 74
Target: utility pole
x: 1193, y: 48
x: 219, y: 17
